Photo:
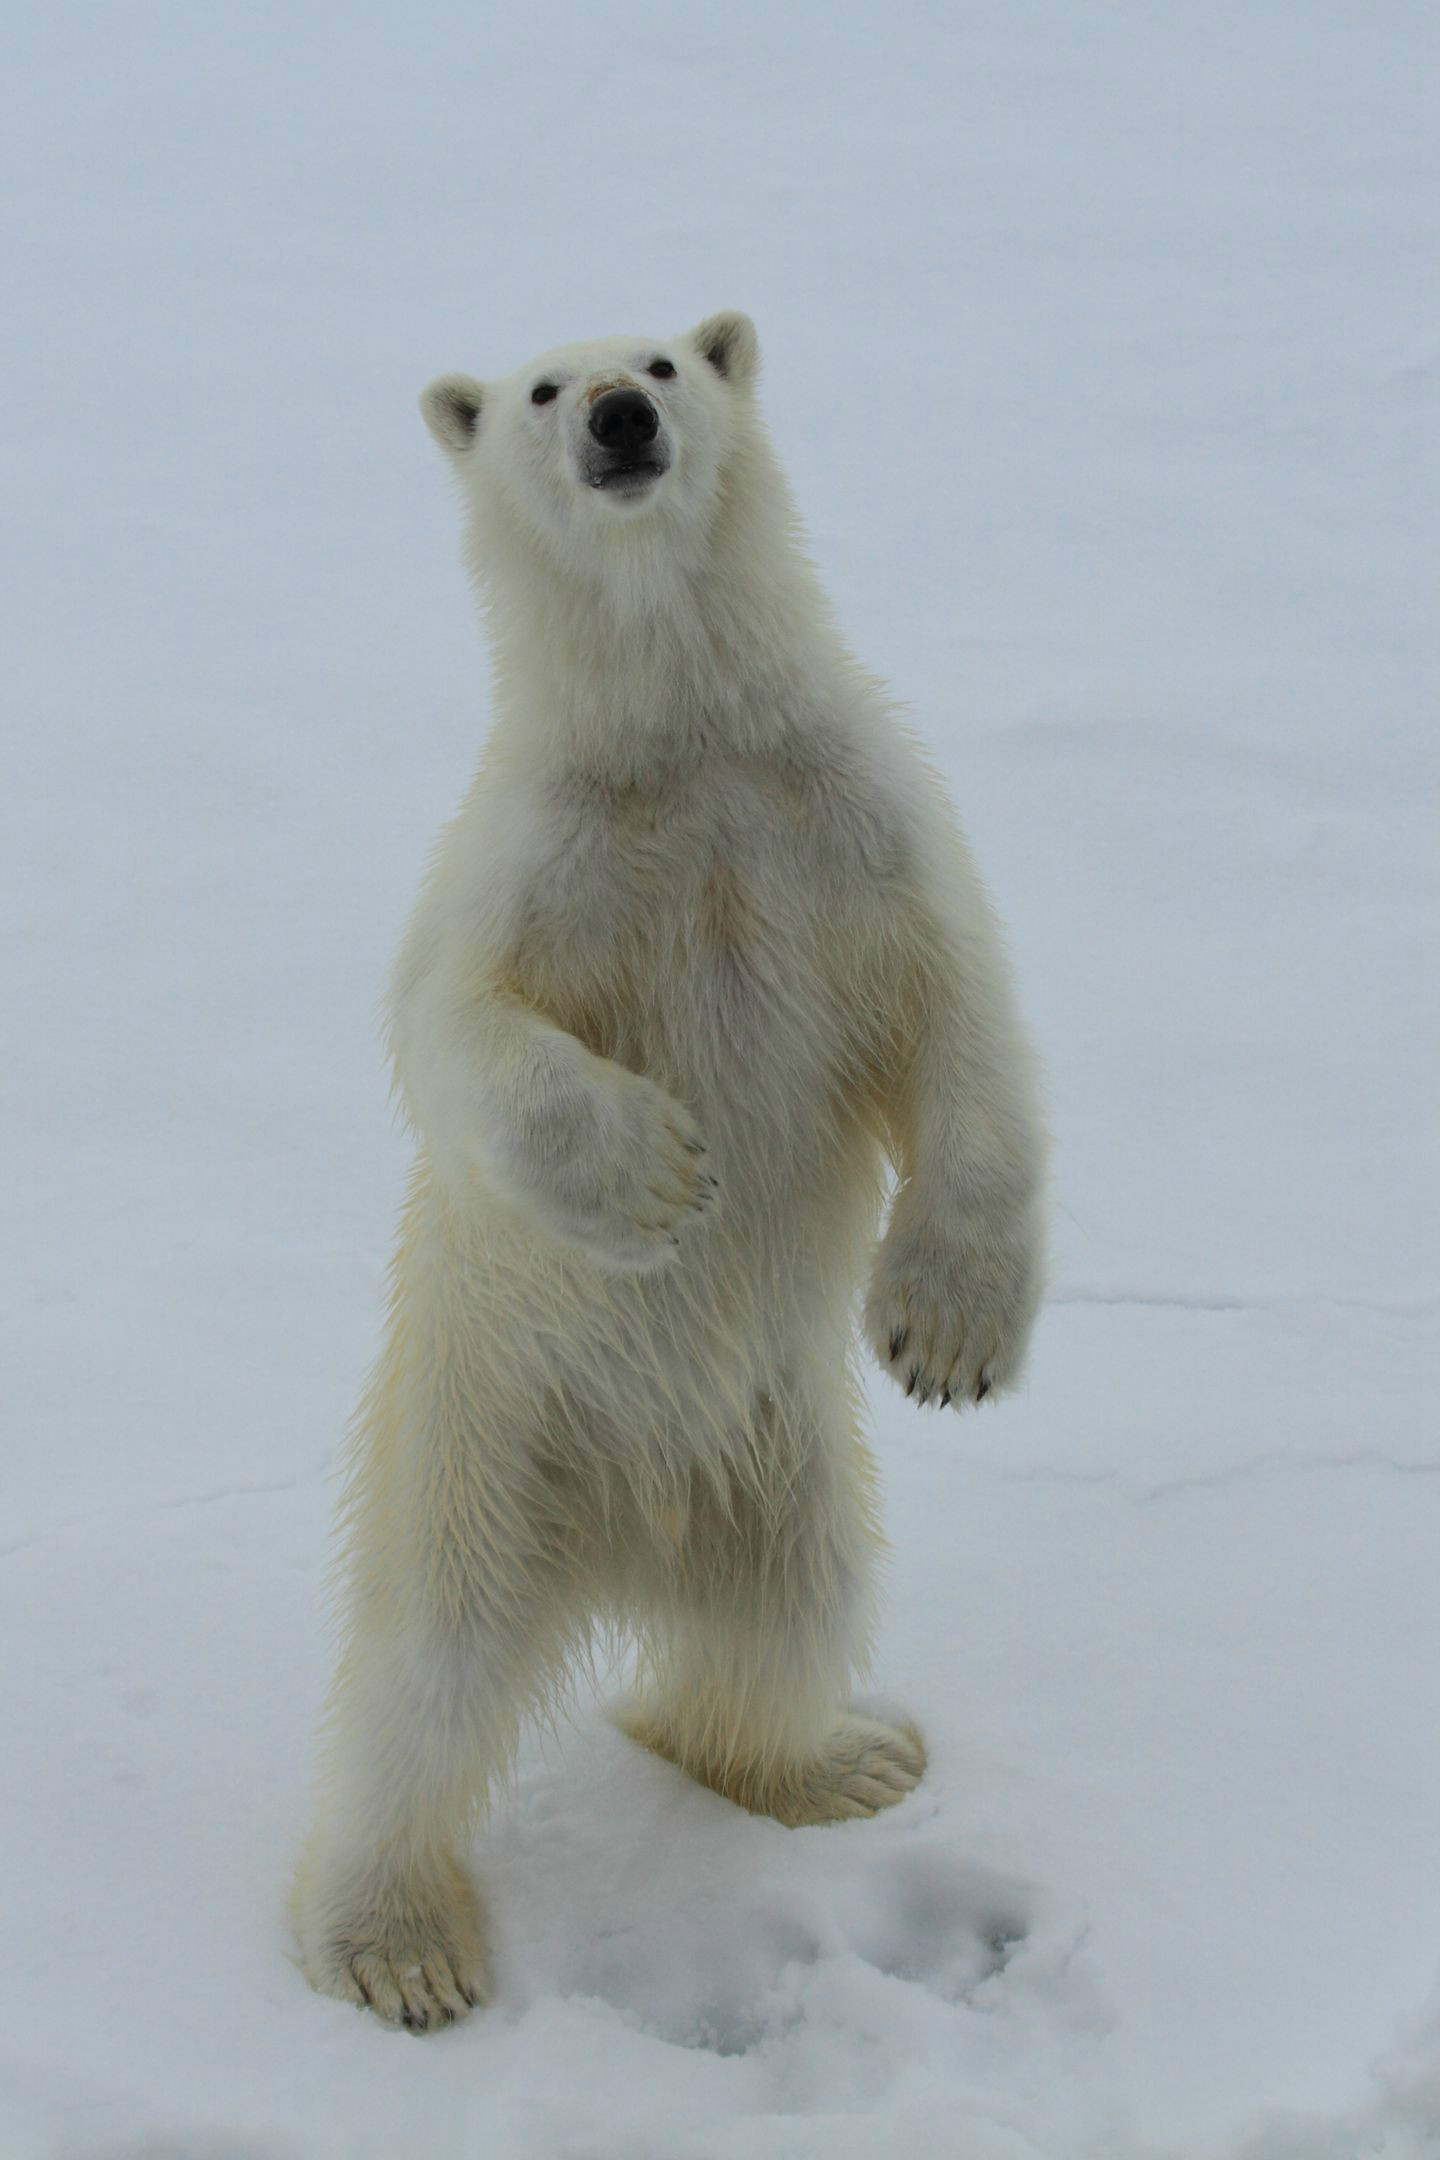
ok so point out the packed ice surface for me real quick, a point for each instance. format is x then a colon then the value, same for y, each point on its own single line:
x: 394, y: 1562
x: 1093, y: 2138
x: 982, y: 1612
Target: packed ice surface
x: 1103, y: 347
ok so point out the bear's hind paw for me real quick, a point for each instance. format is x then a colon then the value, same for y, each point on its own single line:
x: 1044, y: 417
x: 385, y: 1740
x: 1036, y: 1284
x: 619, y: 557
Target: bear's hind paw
x: 411, y: 1952
x: 864, y: 1767
x: 421, y: 1994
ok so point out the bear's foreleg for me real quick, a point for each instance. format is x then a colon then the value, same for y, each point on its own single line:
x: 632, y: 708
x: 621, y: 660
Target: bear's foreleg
x: 958, y: 1276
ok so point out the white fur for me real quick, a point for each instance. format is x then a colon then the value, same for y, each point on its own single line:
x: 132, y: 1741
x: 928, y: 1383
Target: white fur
x: 705, y: 893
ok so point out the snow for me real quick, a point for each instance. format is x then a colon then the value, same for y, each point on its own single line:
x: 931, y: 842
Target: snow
x: 1101, y: 344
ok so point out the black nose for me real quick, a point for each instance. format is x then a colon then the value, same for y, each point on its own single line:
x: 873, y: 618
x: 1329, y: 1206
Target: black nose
x: 624, y: 420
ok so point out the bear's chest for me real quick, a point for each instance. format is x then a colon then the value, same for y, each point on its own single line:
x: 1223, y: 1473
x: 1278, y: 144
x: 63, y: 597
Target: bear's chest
x: 673, y: 928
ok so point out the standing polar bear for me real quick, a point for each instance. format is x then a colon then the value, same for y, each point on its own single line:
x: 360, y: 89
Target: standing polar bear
x: 701, y: 954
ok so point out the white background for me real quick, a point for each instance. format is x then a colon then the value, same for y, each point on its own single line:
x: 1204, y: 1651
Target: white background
x: 1102, y: 344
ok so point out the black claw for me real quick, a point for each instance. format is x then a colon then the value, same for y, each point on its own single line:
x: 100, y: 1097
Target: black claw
x: 914, y: 1376
x: 982, y: 1391
x: 897, y: 1342
x: 945, y: 1400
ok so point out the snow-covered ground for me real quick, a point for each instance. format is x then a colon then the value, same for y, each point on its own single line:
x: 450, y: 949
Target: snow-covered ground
x: 1103, y: 345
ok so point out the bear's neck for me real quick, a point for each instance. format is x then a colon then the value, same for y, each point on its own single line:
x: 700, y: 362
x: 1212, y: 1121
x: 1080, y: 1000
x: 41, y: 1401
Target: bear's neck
x: 633, y: 675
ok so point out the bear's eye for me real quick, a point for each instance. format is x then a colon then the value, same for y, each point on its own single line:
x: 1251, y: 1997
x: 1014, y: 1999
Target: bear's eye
x: 543, y: 392
x: 662, y: 369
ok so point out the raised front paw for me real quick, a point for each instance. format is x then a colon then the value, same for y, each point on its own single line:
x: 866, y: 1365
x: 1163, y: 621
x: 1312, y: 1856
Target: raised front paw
x: 633, y: 1179
x: 949, y: 1313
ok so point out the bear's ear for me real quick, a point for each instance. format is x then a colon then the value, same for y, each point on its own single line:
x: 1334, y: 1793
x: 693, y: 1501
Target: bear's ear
x: 729, y: 343
x: 451, y: 406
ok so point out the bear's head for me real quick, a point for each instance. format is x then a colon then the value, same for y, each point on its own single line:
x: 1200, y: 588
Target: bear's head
x: 617, y: 449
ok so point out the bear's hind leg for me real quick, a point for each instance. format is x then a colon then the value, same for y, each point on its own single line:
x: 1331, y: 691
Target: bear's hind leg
x: 754, y: 1637
x: 464, y: 1605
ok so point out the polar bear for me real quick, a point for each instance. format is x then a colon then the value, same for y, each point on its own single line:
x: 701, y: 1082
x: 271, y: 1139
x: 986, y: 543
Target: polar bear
x: 700, y: 959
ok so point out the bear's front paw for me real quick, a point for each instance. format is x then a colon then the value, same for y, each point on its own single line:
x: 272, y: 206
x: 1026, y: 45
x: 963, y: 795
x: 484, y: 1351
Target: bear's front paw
x: 632, y: 1185
x: 949, y: 1312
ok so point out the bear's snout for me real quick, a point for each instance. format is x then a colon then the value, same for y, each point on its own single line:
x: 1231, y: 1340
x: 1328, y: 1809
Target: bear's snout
x: 624, y: 421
